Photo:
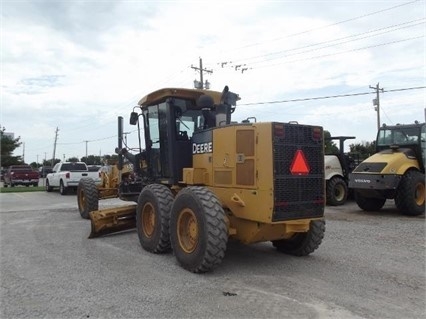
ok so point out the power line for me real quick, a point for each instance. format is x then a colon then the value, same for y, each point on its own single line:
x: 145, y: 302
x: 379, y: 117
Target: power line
x: 329, y: 96
x: 385, y: 30
x: 342, y: 52
x: 330, y: 25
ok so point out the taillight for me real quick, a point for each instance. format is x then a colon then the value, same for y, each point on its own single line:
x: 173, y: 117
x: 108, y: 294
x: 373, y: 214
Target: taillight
x: 317, y: 134
x: 279, y: 129
x: 67, y: 175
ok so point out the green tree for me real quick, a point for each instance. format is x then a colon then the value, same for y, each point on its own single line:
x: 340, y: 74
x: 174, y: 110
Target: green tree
x: 364, y: 149
x: 34, y: 165
x: 73, y: 159
x: 330, y: 146
x: 49, y: 162
x: 8, y: 145
x: 92, y: 160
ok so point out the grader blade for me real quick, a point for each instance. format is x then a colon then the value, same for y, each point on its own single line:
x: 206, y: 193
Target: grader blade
x: 112, y: 220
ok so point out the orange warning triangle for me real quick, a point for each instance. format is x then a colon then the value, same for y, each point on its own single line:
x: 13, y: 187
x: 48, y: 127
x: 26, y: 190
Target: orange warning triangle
x: 299, y: 166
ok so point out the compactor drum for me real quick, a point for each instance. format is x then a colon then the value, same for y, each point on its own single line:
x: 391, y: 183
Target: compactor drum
x: 203, y: 179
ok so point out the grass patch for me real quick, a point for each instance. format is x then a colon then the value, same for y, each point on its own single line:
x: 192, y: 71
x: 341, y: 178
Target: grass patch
x: 22, y: 189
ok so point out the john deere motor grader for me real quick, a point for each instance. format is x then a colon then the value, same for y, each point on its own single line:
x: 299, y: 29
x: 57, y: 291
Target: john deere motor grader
x: 396, y: 171
x: 203, y: 179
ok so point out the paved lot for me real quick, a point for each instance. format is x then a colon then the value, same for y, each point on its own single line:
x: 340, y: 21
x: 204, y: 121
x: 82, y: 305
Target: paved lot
x: 370, y: 265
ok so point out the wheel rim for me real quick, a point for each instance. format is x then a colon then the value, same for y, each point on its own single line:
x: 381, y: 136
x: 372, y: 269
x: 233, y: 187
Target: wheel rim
x: 82, y: 200
x: 339, y: 193
x: 420, y: 194
x: 187, y: 231
x: 148, y: 219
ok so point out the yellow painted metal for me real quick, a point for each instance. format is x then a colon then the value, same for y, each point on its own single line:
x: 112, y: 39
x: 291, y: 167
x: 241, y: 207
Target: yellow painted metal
x: 249, y: 232
x: 158, y: 95
x: 105, y: 193
x: 397, y: 162
x: 194, y: 176
x: 248, y: 197
x: 187, y: 230
x: 112, y: 220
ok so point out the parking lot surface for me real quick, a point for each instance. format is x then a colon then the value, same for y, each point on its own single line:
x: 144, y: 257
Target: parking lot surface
x: 370, y: 265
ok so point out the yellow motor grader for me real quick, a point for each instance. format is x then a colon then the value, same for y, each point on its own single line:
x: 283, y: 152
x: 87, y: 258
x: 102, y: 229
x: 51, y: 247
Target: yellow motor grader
x: 203, y: 179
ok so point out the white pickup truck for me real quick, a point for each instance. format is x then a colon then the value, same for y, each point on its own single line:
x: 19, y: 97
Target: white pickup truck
x: 67, y: 175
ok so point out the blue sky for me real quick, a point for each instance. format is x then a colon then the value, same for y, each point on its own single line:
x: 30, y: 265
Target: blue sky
x: 77, y: 65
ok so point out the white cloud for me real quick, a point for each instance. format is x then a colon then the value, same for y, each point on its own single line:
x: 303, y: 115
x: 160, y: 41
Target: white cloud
x: 78, y: 65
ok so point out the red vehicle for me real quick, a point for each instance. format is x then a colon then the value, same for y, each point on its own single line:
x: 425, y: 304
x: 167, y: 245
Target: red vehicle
x: 20, y: 175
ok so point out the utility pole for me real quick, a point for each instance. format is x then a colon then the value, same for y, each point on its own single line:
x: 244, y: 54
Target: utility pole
x: 54, y: 146
x: 86, y: 149
x: 376, y: 102
x: 200, y: 84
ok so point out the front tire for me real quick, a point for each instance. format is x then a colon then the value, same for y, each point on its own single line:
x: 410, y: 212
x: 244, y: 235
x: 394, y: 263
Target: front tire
x: 369, y: 204
x: 87, y: 197
x: 337, y: 191
x: 198, y: 229
x: 302, y: 244
x: 410, y: 195
x: 153, y: 216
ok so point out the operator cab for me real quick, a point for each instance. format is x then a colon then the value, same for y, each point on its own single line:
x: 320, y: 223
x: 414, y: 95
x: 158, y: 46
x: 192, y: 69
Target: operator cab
x: 171, y: 117
x: 410, y: 138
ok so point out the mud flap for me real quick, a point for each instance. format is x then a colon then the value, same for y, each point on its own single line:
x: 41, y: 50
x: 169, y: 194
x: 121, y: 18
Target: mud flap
x: 112, y: 220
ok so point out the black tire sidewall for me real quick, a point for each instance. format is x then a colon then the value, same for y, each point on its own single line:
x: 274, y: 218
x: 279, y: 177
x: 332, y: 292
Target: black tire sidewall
x: 186, y: 200
x: 405, y: 200
x: 331, y: 186
x: 155, y: 243
x: 88, y: 187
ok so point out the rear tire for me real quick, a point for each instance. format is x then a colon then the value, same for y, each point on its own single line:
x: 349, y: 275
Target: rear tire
x: 153, y: 216
x: 337, y: 191
x: 302, y: 244
x: 87, y: 197
x: 48, y: 187
x: 198, y: 229
x: 62, y: 189
x: 410, y: 195
x: 369, y: 204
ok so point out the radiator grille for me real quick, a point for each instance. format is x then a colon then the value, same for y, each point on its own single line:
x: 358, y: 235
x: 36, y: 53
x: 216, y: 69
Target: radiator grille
x: 298, y: 196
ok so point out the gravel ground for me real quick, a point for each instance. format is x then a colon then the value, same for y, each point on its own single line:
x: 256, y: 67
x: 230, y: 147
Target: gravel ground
x: 370, y: 265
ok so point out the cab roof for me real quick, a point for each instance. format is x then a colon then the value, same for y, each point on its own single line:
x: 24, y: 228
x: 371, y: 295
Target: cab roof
x: 192, y: 94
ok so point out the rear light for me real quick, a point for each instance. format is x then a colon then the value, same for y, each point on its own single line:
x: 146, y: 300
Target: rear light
x: 316, y: 134
x: 279, y: 130
x: 67, y: 175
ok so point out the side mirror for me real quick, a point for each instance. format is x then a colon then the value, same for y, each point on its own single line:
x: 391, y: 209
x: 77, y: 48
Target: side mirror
x: 134, y: 118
